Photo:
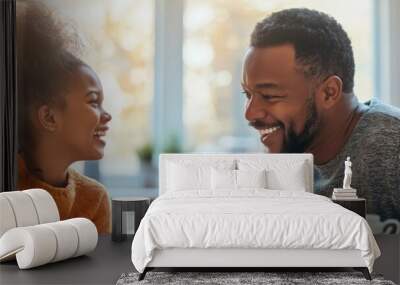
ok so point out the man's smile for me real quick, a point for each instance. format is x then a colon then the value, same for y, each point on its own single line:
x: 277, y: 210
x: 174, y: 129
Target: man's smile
x: 265, y: 133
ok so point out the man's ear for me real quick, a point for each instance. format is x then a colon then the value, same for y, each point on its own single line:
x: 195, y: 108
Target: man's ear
x: 330, y: 91
x: 47, y: 118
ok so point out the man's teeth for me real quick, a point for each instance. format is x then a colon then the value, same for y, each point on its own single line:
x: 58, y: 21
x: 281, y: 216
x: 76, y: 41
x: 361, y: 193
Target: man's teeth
x: 269, y: 130
x: 99, y: 133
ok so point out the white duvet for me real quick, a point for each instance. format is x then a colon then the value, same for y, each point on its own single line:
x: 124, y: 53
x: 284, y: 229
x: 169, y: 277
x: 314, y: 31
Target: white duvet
x: 250, y: 219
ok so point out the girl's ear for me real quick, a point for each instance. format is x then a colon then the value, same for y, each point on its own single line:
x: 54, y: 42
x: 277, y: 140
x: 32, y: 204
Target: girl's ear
x: 330, y: 92
x: 47, y: 118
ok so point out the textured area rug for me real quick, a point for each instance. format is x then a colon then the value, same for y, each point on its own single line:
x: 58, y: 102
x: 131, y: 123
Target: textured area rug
x: 225, y: 278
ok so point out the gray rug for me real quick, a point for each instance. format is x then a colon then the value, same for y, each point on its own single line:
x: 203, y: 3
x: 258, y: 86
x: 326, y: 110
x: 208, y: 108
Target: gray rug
x: 225, y: 278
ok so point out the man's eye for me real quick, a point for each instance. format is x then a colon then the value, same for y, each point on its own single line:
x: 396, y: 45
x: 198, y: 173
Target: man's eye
x: 94, y: 103
x: 270, y: 97
x: 247, y: 94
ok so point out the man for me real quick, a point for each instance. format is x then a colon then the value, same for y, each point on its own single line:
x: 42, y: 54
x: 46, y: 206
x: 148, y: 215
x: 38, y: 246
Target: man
x: 298, y: 79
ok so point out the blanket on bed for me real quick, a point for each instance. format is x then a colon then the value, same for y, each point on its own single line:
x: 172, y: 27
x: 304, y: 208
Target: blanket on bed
x: 252, y: 218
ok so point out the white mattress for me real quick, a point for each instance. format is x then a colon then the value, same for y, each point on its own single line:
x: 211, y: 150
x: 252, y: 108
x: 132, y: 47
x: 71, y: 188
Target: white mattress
x: 250, y: 219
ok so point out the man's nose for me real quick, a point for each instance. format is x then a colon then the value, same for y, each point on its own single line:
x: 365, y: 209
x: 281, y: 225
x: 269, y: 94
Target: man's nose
x: 255, y: 109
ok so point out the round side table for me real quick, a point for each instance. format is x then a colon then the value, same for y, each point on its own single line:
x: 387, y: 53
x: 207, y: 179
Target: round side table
x: 123, y: 209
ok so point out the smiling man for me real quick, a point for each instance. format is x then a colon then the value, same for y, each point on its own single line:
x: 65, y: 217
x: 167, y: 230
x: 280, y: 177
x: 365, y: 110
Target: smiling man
x: 298, y: 77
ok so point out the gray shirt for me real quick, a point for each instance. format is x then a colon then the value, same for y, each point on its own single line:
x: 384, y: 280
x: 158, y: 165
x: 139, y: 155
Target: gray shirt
x: 374, y: 148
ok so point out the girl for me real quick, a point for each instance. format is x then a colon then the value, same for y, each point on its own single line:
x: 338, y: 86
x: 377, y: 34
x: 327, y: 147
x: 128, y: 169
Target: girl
x: 61, y: 117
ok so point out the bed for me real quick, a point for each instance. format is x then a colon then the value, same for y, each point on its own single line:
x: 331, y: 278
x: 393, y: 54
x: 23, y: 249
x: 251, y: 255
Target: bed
x: 245, y: 211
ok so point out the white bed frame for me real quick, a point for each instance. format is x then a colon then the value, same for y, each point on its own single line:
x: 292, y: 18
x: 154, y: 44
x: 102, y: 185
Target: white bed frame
x: 246, y: 258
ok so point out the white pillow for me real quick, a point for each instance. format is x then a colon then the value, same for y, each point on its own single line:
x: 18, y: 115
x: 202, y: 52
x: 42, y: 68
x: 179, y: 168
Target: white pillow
x: 193, y: 175
x: 281, y: 174
x: 182, y: 178
x: 225, y: 179
x: 293, y: 180
x: 251, y: 178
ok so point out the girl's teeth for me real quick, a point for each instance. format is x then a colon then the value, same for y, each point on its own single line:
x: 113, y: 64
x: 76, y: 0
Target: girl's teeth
x: 99, y: 133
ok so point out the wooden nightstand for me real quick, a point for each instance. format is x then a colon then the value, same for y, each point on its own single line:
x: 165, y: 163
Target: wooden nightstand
x: 358, y: 205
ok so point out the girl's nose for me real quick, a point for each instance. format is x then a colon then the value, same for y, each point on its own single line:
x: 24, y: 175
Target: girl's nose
x: 106, y: 116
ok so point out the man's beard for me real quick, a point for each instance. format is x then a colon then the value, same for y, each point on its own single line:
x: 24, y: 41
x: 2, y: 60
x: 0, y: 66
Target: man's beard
x: 298, y: 143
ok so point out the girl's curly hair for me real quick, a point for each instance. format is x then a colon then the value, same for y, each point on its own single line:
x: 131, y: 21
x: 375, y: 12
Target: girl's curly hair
x: 47, y: 52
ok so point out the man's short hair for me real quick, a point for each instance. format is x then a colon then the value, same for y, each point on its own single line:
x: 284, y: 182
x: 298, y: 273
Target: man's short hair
x: 321, y: 45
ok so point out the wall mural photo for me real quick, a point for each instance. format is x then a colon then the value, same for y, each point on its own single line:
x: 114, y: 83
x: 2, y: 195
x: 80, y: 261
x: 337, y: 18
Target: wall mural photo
x: 92, y: 119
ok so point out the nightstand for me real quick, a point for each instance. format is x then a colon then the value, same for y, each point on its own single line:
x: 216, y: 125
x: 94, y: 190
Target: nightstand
x: 127, y: 212
x: 358, y: 206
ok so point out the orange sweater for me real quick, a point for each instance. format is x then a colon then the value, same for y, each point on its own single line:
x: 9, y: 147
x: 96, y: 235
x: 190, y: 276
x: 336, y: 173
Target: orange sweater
x: 82, y: 197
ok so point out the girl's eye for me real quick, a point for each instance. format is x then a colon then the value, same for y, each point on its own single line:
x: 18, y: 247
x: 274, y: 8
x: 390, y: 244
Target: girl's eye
x: 93, y: 96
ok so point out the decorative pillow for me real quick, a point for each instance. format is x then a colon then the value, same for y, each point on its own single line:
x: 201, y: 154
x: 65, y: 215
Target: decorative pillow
x: 182, y: 178
x: 188, y: 175
x: 281, y: 174
x: 36, y: 245
x: 223, y: 179
x: 293, y: 180
x: 251, y: 178
x: 30, y: 230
